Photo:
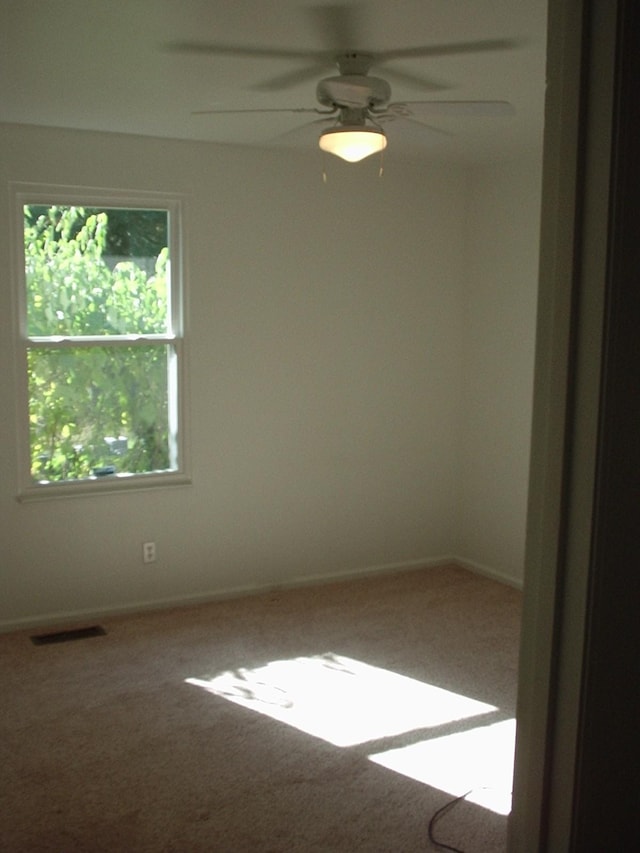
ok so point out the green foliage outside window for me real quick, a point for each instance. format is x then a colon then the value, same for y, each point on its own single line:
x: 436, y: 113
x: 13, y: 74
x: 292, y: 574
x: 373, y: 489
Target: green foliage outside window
x: 96, y: 406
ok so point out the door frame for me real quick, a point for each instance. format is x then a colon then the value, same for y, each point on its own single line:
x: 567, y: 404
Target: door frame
x: 577, y: 615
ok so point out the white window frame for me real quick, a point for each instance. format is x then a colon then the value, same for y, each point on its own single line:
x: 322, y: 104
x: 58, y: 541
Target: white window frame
x: 41, y: 194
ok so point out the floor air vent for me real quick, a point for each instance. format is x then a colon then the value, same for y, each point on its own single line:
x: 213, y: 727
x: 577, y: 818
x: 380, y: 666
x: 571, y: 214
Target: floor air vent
x: 65, y: 636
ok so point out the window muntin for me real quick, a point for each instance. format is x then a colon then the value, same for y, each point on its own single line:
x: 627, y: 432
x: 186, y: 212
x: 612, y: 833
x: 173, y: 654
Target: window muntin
x: 102, y: 341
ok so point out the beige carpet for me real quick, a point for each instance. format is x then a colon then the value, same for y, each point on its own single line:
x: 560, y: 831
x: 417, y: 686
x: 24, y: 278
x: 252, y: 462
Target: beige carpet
x: 272, y: 723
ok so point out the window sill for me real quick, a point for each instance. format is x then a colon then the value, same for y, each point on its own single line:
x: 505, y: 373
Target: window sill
x: 113, y: 484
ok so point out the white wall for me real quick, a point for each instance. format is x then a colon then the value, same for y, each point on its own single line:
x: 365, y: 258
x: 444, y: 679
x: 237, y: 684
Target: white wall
x: 499, y: 291
x: 325, y: 379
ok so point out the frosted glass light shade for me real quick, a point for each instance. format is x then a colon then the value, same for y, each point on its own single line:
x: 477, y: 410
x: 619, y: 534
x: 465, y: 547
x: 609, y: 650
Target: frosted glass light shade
x: 353, y: 143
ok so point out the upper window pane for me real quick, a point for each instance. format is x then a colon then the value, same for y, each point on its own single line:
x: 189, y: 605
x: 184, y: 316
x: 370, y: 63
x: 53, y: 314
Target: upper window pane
x: 96, y: 271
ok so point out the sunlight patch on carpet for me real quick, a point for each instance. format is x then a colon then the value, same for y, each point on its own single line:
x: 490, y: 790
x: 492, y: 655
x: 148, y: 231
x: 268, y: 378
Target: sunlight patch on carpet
x: 341, y: 700
x: 479, y: 761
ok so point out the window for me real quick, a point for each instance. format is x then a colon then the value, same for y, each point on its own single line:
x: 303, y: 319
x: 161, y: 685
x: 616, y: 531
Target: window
x: 101, y: 341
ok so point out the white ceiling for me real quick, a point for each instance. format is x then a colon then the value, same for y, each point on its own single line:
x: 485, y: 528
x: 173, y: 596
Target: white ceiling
x: 114, y: 65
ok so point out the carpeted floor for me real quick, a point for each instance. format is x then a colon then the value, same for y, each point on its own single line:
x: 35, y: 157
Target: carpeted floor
x: 329, y: 718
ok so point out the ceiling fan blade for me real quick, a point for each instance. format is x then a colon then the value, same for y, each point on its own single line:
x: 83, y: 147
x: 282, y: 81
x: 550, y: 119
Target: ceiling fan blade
x: 415, y: 81
x: 249, y: 51
x: 480, y: 109
x: 452, y: 49
x: 287, y: 110
x: 340, y: 25
x: 396, y: 124
x: 406, y: 135
x: 291, y: 78
x: 304, y: 131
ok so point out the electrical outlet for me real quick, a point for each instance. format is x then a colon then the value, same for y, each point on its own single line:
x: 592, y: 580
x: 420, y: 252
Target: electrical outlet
x: 149, y: 552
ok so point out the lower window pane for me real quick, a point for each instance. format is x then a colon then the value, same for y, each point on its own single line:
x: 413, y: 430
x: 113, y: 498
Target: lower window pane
x: 99, y: 411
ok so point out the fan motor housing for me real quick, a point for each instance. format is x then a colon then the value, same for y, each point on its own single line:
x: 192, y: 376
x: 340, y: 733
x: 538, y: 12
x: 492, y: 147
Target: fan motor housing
x: 353, y: 90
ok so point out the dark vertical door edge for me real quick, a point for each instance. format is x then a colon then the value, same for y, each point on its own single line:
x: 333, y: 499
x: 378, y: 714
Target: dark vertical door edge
x: 607, y: 796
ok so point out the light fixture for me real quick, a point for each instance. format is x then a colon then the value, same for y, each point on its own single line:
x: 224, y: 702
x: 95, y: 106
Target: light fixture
x: 353, y: 143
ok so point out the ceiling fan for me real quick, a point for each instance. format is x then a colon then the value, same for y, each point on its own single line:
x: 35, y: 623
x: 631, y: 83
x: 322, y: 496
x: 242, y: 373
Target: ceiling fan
x: 354, y: 106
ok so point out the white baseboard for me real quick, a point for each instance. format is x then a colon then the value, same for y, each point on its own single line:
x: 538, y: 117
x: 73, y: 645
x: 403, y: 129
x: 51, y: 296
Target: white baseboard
x: 369, y: 571
x: 488, y: 572
x: 73, y: 617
